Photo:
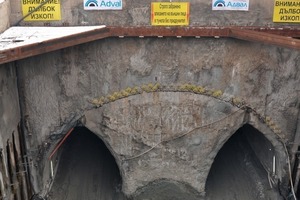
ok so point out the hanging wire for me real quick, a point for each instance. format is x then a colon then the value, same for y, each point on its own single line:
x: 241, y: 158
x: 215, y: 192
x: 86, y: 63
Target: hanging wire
x: 180, y: 136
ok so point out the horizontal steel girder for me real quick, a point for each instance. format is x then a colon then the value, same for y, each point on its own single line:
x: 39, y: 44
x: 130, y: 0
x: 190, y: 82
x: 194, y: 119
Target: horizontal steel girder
x: 280, y: 36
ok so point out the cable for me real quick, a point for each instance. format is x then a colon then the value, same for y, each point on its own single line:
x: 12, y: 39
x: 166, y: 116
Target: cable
x: 29, y: 13
x: 217, y: 94
x: 290, y: 171
x: 180, y: 136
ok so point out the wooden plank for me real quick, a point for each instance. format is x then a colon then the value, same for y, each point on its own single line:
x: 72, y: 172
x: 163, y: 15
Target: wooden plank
x: 20, y: 170
x: 26, y: 188
x: 15, y: 189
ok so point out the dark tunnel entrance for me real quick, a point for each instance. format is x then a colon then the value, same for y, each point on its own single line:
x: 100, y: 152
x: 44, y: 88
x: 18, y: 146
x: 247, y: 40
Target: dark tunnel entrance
x: 86, y: 170
x: 240, y: 169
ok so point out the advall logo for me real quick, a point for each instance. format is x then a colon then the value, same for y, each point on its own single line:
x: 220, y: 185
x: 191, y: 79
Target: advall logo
x: 230, y: 5
x: 111, y: 4
x: 102, y: 4
x: 91, y: 3
x: 219, y: 3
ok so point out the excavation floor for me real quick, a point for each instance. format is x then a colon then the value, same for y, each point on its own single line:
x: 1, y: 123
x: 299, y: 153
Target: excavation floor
x: 237, y: 174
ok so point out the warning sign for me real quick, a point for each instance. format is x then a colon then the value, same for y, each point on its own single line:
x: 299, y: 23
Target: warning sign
x: 41, y: 10
x: 286, y: 11
x: 170, y: 13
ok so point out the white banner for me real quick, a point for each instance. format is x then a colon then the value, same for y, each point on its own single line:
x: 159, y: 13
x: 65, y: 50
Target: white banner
x: 230, y: 5
x: 102, y: 4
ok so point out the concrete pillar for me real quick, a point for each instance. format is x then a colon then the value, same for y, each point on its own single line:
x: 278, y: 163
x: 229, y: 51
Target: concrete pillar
x: 4, y: 15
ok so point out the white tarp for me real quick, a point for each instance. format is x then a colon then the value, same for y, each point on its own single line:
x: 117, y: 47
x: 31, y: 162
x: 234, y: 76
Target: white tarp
x: 20, y: 36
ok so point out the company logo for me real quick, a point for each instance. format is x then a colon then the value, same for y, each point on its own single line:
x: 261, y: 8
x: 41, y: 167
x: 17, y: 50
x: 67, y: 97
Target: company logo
x: 91, y: 3
x: 219, y: 3
x: 111, y: 4
x: 102, y: 4
x: 230, y: 5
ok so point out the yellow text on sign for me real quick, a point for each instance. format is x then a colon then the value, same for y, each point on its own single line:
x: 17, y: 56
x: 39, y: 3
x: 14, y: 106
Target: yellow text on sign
x: 286, y: 11
x: 45, y: 11
x: 170, y: 13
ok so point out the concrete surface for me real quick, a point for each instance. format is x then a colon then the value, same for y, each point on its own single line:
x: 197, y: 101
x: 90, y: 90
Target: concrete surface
x: 137, y: 13
x: 9, y: 120
x: 58, y: 87
x: 4, y: 15
x: 9, y: 103
x: 56, y: 90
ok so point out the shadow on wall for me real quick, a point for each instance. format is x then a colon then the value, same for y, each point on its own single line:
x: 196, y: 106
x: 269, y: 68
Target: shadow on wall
x: 238, y: 173
x: 86, y: 170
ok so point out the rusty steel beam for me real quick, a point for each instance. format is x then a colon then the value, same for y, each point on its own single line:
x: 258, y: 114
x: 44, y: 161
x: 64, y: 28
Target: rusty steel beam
x: 267, y: 38
x: 284, y: 31
x: 153, y: 31
x: 275, y: 36
x: 204, y: 31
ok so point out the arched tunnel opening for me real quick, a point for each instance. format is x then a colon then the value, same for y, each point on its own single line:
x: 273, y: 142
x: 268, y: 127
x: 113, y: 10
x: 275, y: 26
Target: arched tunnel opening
x: 243, y: 168
x: 86, y: 170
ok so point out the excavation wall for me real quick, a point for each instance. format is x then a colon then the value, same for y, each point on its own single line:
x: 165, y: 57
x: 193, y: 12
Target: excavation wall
x: 172, y: 133
x: 164, y: 107
x: 10, y: 112
x: 12, y: 169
